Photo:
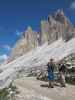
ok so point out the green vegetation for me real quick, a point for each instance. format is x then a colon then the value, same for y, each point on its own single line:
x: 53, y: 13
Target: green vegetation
x: 4, y: 94
x: 8, y: 93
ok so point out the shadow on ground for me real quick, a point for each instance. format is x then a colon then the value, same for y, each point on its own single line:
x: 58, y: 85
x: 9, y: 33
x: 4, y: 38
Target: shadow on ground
x: 46, y: 85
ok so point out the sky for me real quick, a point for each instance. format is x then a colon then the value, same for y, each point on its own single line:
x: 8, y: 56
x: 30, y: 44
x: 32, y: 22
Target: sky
x: 17, y: 15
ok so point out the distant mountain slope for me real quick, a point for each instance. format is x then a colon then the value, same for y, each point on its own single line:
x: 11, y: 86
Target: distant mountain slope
x: 36, y: 58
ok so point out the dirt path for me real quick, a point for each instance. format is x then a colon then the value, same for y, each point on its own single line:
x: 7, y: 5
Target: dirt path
x: 32, y: 89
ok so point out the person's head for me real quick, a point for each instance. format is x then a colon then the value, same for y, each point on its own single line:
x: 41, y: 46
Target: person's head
x: 51, y: 60
x: 61, y: 62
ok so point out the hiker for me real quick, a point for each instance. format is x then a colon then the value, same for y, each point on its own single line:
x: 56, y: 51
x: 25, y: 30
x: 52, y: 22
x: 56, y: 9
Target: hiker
x: 50, y: 69
x: 62, y: 69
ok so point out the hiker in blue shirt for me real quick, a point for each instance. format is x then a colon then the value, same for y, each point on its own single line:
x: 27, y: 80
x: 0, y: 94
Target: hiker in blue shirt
x: 50, y: 69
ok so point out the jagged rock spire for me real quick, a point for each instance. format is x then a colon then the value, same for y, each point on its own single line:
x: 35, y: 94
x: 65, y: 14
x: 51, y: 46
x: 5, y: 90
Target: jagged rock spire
x: 55, y: 27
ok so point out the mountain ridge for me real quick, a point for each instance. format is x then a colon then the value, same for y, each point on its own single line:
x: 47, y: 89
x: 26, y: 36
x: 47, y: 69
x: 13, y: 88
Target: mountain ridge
x: 56, y: 26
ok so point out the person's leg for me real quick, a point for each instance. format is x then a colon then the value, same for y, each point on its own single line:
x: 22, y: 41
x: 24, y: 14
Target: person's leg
x: 49, y: 83
x: 52, y: 84
x: 62, y: 80
x: 52, y: 81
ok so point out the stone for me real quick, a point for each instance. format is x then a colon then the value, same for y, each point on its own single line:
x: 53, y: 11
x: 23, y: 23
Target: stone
x: 28, y: 41
x: 56, y: 26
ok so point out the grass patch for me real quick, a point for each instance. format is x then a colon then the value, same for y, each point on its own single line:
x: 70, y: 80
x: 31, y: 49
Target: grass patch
x: 4, y: 94
x: 70, y: 81
x: 8, y: 93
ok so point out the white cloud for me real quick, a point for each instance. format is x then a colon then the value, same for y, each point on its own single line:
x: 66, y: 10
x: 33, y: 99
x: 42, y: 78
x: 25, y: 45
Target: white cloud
x: 72, y: 6
x: 3, y: 57
x: 18, y: 33
x: 7, y: 47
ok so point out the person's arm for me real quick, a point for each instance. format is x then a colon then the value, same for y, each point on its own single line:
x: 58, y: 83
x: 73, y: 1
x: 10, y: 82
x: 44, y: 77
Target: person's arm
x: 52, y: 67
x: 65, y: 67
x: 47, y: 66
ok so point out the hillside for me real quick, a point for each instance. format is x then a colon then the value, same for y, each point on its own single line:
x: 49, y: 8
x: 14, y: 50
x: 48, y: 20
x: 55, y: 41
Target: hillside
x: 36, y: 58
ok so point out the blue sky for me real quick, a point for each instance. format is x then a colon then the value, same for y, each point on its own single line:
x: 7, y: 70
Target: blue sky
x: 16, y: 15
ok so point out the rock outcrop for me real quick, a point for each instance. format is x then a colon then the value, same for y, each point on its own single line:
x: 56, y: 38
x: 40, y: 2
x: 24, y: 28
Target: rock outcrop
x: 55, y: 27
x: 28, y: 41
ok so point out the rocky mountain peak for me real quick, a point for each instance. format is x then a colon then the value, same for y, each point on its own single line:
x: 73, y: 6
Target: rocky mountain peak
x: 60, y: 17
x: 59, y: 12
x: 27, y: 31
x: 55, y: 27
x: 28, y: 41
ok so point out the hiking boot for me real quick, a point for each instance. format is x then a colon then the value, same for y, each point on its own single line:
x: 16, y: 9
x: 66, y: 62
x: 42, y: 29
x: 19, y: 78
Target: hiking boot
x: 63, y: 86
x: 50, y: 86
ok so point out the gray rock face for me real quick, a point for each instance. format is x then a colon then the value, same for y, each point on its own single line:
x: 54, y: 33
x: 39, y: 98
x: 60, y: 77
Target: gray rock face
x: 57, y: 25
x: 28, y: 41
x: 31, y: 38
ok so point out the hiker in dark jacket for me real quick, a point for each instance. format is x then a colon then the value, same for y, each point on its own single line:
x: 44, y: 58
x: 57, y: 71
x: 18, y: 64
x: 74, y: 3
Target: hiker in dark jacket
x: 50, y: 69
x: 62, y: 69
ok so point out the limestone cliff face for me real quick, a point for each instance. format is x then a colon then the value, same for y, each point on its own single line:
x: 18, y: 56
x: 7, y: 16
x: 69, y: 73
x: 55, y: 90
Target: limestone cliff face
x: 28, y: 41
x: 57, y: 25
x: 31, y: 38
